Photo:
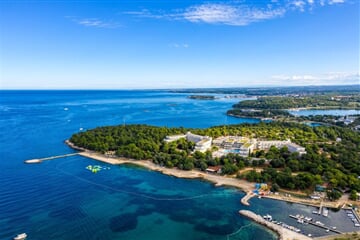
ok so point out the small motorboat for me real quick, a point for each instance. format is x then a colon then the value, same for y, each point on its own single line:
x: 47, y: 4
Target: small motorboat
x: 21, y: 236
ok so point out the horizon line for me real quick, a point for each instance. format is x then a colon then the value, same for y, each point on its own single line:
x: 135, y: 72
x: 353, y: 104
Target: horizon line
x: 174, y: 88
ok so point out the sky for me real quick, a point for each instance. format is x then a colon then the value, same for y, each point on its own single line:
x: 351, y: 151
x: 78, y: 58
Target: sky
x: 142, y: 44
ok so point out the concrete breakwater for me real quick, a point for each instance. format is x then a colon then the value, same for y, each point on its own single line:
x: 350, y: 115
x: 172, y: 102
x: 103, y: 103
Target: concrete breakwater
x: 284, y: 234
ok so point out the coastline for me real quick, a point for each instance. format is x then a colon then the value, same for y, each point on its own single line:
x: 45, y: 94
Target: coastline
x: 191, y: 174
x: 217, y: 180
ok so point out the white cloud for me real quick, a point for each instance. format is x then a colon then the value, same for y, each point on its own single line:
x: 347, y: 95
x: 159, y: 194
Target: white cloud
x: 330, y: 78
x: 179, y: 45
x: 230, y: 15
x: 94, y: 22
x: 235, y: 13
x: 336, y: 1
x: 298, y: 4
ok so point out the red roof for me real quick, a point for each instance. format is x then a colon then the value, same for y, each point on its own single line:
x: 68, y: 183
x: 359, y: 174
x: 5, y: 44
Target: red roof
x: 214, y: 168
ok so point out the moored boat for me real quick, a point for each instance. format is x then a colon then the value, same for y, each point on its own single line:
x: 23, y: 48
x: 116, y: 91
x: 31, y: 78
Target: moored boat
x: 325, y: 212
x: 268, y: 217
x: 21, y: 236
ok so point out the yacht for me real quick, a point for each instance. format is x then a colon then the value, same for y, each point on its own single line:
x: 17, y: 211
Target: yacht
x: 319, y: 223
x: 325, y: 212
x: 21, y: 236
x: 267, y: 217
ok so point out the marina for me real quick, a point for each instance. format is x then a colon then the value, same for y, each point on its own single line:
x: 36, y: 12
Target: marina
x: 305, y: 220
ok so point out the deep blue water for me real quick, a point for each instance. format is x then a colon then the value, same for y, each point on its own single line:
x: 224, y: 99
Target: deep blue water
x: 60, y: 199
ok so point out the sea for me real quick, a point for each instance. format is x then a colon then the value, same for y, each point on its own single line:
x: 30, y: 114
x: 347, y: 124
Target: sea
x: 62, y: 200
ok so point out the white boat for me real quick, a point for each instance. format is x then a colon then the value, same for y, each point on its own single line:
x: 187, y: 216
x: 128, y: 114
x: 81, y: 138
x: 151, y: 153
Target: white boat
x: 20, y: 236
x: 357, y: 225
x: 268, y: 217
x: 325, y: 212
x: 319, y: 223
x: 300, y: 221
x: 327, y: 230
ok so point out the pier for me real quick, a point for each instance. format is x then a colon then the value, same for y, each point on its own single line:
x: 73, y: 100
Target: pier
x: 284, y: 233
x: 316, y: 224
x: 39, y: 160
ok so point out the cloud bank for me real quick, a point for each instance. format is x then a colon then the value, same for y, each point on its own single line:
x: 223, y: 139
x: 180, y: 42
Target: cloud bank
x: 331, y: 78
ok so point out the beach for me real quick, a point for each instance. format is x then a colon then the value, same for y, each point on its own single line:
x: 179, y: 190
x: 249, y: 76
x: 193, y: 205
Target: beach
x: 192, y: 174
x: 217, y: 180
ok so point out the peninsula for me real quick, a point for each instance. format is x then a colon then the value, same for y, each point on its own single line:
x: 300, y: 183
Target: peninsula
x: 287, y: 156
x: 276, y: 107
x: 202, y: 97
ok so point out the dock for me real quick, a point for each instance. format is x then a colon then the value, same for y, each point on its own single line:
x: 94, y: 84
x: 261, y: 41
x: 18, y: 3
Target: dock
x: 316, y: 224
x: 284, y: 233
x: 40, y: 160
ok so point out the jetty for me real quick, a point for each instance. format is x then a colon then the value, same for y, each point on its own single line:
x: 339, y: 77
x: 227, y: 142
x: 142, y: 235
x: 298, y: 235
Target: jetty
x: 317, y: 224
x: 284, y: 233
x: 246, y: 198
x: 39, y: 160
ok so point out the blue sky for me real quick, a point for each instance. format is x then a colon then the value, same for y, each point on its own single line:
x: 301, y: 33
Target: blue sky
x: 128, y: 44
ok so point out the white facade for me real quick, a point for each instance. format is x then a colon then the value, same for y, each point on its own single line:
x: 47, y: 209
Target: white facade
x: 265, y: 145
x: 174, y: 138
x: 202, y: 143
x: 292, y: 147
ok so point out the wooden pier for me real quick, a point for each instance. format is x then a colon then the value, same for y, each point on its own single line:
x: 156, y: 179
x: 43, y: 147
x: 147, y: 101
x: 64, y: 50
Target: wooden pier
x: 316, y: 224
x: 39, y: 160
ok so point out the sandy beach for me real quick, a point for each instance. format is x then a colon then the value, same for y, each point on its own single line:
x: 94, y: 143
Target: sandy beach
x: 216, y: 179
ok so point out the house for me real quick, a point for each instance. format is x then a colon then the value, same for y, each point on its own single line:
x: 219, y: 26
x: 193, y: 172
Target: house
x: 214, y: 169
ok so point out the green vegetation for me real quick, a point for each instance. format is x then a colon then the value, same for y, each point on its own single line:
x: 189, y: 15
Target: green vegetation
x: 277, y: 106
x: 274, y: 113
x: 202, y: 97
x: 313, y: 101
x: 336, y: 163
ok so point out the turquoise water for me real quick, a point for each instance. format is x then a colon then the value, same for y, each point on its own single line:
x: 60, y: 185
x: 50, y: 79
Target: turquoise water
x: 61, y: 199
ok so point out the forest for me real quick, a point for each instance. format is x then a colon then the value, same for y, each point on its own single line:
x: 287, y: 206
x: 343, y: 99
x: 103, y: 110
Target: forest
x: 333, y: 153
x: 312, y: 101
x: 277, y: 106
